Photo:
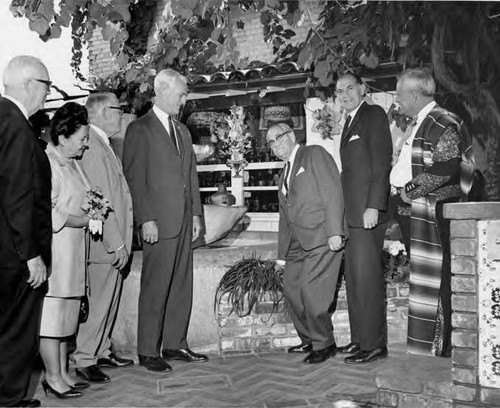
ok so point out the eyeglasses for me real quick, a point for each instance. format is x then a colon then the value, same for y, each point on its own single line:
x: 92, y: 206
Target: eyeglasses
x: 46, y: 82
x: 278, y: 138
x: 119, y: 108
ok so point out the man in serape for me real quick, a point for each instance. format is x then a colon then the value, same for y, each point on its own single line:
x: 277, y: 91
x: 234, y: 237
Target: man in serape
x: 438, y: 161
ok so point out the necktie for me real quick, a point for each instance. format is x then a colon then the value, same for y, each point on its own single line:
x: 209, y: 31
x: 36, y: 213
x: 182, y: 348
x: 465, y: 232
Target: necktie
x: 287, y: 173
x: 171, y: 132
x: 346, y: 126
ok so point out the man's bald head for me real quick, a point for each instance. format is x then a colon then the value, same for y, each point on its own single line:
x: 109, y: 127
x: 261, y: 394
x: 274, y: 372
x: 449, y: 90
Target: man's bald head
x: 27, y: 80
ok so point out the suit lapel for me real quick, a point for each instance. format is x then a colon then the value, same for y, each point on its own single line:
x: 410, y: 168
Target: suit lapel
x: 296, y: 166
x: 160, y: 130
x: 293, y: 171
x: 354, y: 121
x: 178, y: 136
x: 107, y: 148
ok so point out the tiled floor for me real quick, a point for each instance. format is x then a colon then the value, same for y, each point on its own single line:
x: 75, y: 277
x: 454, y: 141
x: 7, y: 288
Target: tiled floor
x: 251, y: 380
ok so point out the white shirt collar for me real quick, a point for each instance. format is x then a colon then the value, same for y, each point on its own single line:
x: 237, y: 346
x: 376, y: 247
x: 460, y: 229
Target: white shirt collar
x: 162, y: 115
x: 19, y: 105
x: 354, y: 111
x: 101, y: 133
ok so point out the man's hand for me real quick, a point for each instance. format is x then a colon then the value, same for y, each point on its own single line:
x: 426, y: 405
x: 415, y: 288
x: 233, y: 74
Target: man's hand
x: 370, y: 218
x: 197, y: 227
x: 121, y: 258
x: 335, y: 243
x: 150, y: 232
x: 404, y: 197
x: 38, y: 272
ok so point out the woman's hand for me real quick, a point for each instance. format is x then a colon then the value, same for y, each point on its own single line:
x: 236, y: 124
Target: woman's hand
x: 77, y: 221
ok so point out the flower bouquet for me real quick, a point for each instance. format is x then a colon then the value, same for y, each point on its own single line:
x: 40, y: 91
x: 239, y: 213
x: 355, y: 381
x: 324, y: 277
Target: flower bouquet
x: 232, y: 136
x: 327, y: 120
x: 97, y: 207
x: 395, y: 261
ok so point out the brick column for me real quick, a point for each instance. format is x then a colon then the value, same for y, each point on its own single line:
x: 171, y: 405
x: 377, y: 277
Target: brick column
x: 476, y: 382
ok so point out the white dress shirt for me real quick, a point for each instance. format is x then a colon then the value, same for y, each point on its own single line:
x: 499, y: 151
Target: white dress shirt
x: 401, y: 172
x: 163, y: 116
x: 291, y: 159
x: 352, y: 113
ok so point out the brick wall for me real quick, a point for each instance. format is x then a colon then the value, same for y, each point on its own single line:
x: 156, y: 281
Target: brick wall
x: 100, y: 59
x: 250, y: 40
x: 263, y: 331
x: 472, y: 378
x: 474, y: 231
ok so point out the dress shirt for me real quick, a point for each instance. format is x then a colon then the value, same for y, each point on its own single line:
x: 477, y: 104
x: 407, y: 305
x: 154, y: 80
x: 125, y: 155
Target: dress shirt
x: 401, y: 172
x: 291, y: 159
x: 163, y: 116
x: 18, y: 104
x: 352, y: 113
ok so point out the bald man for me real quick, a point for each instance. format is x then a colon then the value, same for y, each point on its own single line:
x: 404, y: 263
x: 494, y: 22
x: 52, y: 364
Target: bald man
x: 311, y: 236
x: 25, y: 225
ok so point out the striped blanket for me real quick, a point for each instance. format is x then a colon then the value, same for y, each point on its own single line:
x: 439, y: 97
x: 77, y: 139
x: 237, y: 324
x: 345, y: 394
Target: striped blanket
x: 442, y: 165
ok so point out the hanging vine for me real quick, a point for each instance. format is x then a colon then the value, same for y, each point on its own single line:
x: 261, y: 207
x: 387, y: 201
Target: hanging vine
x: 459, y: 40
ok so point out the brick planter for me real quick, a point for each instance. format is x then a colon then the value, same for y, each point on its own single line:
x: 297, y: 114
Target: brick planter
x: 263, y: 331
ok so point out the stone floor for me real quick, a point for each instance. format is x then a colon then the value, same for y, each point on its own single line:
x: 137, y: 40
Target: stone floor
x: 251, y: 380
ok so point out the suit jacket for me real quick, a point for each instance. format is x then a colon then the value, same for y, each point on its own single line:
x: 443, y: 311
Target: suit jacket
x: 104, y: 170
x: 314, y: 208
x: 163, y: 180
x: 365, y: 151
x: 25, y: 185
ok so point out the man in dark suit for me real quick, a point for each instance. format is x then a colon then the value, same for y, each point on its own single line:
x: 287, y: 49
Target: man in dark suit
x: 311, y: 232
x: 160, y: 167
x: 25, y: 225
x: 365, y: 151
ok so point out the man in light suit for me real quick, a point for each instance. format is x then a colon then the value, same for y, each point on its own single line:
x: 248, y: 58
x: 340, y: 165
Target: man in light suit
x: 311, y: 235
x: 108, y: 255
x: 365, y: 151
x: 25, y: 226
x: 160, y: 167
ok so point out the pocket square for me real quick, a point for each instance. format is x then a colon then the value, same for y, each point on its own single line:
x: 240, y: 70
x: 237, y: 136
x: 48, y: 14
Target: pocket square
x: 301, y: 170
x: 353, y: 137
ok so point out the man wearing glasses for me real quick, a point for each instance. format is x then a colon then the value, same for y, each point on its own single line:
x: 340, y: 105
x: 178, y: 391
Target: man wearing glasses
x: 25, y: 226
x: 107, y: 256
x: 365, y: 151
x: 311, y: 236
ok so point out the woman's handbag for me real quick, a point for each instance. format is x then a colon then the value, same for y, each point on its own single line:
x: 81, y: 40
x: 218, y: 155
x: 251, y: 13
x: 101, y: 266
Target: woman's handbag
x: 84, y: 303
x: 84, y: 309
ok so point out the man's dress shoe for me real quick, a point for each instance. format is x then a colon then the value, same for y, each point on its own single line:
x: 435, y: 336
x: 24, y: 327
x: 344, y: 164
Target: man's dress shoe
x: 80, y: 385
x: 28, y: 403
x: 351, y: 348
x: 301, y: 348
x: 92, y: 374
x: 113, y: 361
x: 318, y: 356
x: 184, y: 355
x: 154, y: 364
x: 363, y: 357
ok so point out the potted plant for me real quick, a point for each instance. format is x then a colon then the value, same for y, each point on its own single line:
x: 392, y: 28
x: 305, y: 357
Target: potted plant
x: 248, y: 282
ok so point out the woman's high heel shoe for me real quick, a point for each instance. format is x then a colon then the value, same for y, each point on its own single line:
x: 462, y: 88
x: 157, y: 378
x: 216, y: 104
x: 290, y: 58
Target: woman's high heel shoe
x: 61, y: 395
